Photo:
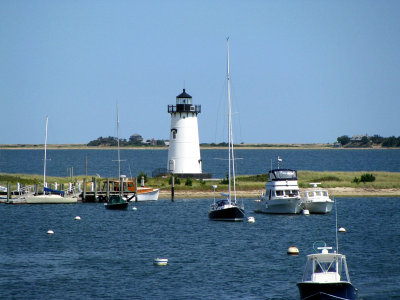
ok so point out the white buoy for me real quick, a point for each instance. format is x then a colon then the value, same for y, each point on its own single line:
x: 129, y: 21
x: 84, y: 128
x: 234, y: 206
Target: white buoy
x: 341, y: 229
x: 50, y: 231
x: 251, y: 219
x: 134, y: 208
x: 160, y: 261
x: 306, y: 212
x: 77, y: 218
x: 293, y: 250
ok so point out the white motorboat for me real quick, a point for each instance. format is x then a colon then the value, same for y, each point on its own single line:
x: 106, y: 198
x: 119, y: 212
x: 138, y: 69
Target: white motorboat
x: 228, y: 209
x: 282, y: 194
x: 326, y: 277
x: 316, y: 200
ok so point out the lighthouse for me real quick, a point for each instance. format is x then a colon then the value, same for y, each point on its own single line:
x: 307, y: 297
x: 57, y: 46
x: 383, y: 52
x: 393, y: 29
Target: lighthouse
x: 184, y: 158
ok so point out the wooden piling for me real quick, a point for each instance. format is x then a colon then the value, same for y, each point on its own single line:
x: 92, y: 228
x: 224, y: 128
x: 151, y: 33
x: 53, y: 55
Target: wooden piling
x: 108, y: 189
x: 172, y: 188
x: 84, y: 190
x: 136, y: 189
x: 95, y: 189
x: 8, y: 192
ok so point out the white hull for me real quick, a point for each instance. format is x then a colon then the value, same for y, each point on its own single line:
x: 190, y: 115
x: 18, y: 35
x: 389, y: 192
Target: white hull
x: 50, y: 199
x: 317, y: 200
x: 148, y: 196
x: 318, y: 207
x: 280, y: 206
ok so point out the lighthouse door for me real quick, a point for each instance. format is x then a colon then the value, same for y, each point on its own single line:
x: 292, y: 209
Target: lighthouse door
x: 171, y: 167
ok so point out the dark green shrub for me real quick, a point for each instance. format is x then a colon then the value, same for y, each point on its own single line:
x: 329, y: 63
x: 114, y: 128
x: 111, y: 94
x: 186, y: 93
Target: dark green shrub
x: 367, y: 177
x: 189, y: 181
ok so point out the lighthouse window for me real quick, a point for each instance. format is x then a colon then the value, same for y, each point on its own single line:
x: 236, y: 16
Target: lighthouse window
x: 174, y: 134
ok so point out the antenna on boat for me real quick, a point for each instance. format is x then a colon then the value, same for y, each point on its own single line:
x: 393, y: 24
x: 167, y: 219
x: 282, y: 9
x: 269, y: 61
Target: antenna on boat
x: 279, y: 160
x: 336, y: 229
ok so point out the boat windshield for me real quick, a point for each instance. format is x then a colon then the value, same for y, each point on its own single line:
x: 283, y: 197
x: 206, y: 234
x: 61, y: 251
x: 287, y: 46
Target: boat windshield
x: 282, y: 174
x: 330, y: 268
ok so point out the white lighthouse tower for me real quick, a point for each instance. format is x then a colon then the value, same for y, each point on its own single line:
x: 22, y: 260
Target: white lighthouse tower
x: 184, y: 149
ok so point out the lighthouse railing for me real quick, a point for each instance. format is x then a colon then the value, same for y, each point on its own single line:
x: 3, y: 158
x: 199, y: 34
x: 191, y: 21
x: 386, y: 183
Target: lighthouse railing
x: 184, y: 108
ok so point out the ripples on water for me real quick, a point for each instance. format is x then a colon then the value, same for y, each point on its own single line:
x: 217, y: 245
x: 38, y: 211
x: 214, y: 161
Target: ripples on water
x: 109, y: 254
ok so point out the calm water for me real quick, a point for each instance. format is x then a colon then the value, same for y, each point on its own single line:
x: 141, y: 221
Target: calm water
x: 102, y: 162
x: 109, y: 254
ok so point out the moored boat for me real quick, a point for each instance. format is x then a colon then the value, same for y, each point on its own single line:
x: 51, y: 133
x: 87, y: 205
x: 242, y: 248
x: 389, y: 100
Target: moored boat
x: 228, y: 209
x: 49, y: 196
x: 116, y: 202
x: 281, y: 193
x: 316, y: 200
x: 147, y: 194
x: 326, y: 277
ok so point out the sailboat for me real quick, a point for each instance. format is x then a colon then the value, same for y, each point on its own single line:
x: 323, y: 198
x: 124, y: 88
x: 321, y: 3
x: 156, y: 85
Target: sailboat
x: 49, y: 196
x: 228, y: 209
x: 117, y: 201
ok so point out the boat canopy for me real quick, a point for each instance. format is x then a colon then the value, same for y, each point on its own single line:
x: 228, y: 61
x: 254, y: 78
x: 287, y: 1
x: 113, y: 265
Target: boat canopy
x: 326, y: 267
x: 282, y: 174
x: 51, y: 191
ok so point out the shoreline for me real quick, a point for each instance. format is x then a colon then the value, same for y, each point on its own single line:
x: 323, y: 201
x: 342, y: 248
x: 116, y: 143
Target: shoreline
x: 333, y: 192
x: 317, y: 146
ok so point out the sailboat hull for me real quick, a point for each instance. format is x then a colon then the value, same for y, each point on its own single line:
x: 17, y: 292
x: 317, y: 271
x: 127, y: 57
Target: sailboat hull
x: 327, y: 291
x: 49, y: 199
x: 232, y: 214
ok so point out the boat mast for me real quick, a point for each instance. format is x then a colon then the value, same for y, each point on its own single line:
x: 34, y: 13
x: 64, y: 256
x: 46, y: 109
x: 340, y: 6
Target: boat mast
x: 231, y: 171
x: 45, y: 154
x: 119, y: 159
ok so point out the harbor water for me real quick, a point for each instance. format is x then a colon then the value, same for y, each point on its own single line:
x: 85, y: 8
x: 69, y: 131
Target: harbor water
x: 109, y: 254
x: 248, y: 161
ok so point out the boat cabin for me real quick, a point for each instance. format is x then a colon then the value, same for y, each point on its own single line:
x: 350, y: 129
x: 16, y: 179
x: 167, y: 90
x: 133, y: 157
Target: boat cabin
x: 326, y: 267
x: 282, y: 174
x: 127, y: 185
x: 316, y: 194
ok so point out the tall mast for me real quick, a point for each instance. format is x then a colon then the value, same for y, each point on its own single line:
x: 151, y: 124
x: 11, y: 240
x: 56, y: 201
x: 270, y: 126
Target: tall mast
x: 119, y: 159
x: 231, y: 171
x: 45, y: 154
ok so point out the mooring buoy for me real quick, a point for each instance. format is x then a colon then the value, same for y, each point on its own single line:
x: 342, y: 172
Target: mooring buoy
x: 293, y: 250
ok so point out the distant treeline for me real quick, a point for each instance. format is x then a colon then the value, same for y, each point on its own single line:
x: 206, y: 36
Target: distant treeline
x: 112, y: 141
x: 368, y: 141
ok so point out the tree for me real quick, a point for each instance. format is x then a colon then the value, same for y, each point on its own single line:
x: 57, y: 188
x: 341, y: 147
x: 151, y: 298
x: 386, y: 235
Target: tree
x: 343, y: 140
x: 135, y: 139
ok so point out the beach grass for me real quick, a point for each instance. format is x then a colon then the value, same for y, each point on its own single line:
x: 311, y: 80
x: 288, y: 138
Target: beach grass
x: 328, y: 179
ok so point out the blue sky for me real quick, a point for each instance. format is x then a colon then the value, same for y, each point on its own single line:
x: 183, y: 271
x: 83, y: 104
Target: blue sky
x: 302, y: 71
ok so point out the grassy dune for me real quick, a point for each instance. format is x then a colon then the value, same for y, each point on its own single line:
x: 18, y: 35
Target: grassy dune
x: 384, y: 180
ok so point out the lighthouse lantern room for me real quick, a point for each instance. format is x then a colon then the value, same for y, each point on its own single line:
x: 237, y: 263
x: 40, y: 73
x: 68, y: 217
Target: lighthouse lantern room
x: 184, y: 157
